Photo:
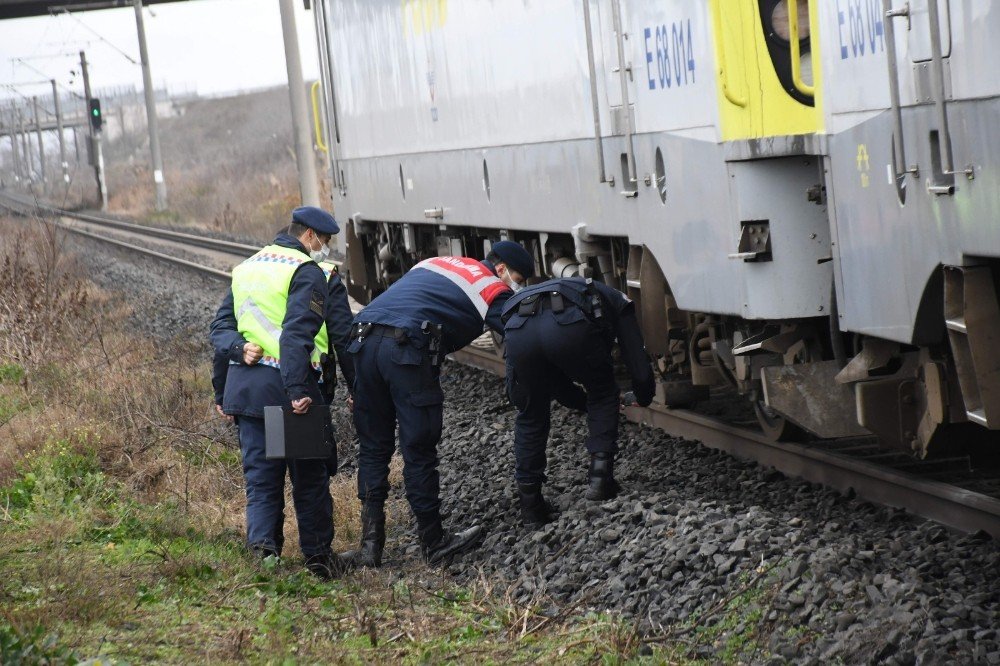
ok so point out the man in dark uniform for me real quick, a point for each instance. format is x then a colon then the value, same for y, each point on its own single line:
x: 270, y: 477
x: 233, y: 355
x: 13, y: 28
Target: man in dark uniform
x: 271, y: 331
x: 439, y: 306
x: 338, y: 326
x: 561, y: 330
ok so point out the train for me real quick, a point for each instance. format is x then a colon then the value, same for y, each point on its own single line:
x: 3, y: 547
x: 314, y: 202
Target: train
x: 802, y: 198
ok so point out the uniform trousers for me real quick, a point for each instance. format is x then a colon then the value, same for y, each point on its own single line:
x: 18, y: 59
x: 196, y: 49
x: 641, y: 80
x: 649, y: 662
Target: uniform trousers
x: 396, y: 382
x: 265, y: 487
x: 542, y: 355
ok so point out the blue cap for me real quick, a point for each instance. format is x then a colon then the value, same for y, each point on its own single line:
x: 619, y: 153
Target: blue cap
x: 515, y: 256
x: 316, y: 219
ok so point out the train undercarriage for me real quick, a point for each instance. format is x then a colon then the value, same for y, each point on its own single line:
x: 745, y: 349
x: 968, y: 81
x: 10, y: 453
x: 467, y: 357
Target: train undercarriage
x: 803, y: 378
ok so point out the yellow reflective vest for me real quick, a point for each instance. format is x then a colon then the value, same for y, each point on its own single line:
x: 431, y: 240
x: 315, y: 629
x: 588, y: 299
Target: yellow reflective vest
x: 260, y: 299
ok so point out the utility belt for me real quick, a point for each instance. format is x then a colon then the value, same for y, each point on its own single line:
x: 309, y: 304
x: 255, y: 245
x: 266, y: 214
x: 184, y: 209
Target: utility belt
x: 433, y: 331
x: 592, y: 305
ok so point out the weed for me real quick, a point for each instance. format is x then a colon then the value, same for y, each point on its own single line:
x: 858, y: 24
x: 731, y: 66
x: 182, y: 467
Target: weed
x: 33, y: 646
x: 11, y: 373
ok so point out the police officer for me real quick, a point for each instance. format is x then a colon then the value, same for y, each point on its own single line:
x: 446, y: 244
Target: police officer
x: 561, y: 330
x: 271, y: 329
x: 338, y: 327
x: 439, y: 306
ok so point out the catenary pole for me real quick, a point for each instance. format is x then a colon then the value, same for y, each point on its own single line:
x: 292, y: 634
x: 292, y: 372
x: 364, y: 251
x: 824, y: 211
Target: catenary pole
x: 151, y: 121
x: 59, y: 129
x: 38, y: 134
x: 308, y: 186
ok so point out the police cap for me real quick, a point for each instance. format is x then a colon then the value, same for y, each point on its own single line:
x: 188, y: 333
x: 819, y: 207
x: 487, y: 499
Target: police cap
x: 515, y: 256
x: 316, y: 219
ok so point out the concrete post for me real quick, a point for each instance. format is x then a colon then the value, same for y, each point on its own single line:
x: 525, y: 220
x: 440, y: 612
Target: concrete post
x: 26, y: 146
x: 151, y: 121
x: 102, y: 187
x: 301, y: 133
x: 62, y: 137
x: 38, y: 134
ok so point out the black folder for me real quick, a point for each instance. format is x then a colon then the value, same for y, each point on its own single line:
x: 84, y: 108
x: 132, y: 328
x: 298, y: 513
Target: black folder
x: 298, y: 436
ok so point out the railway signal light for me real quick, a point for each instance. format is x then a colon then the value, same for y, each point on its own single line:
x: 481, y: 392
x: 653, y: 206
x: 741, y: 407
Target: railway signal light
x: 96, y: 118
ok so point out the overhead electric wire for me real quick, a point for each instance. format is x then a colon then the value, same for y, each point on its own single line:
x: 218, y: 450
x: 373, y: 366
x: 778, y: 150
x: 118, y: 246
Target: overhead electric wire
x: 101, y: 37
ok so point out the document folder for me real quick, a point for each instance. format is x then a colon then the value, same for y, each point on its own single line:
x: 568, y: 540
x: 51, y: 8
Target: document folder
x: 298, y: 436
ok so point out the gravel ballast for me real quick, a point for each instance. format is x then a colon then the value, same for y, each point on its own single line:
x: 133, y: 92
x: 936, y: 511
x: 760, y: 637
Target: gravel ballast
x: 698, y: 541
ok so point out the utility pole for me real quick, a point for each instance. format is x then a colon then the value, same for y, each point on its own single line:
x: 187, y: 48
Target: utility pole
x: 94, y: 138
x: 41, y: 144
x: 15, y: 153
x: 1, y: 152
x: 62, y: 138
x: 26, y: 144
x: 151, y: 121
x: 301, y: 132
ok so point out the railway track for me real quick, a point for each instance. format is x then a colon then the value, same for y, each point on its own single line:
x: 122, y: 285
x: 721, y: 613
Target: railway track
x: 969, y: 500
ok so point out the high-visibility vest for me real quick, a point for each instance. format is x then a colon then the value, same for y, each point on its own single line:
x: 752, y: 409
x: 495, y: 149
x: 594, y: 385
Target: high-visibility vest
x: 260, y: 299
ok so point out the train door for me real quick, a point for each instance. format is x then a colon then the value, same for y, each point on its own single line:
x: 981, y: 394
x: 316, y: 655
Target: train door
x: 767, y: 82
x: 616, y: 44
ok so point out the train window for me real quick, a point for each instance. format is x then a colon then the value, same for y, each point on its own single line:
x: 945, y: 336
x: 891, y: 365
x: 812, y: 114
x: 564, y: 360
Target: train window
x: 486, y: 181
x: 402, y: 182
x: 774, y: 18
x: 660, y: 173
x: 779, y: 19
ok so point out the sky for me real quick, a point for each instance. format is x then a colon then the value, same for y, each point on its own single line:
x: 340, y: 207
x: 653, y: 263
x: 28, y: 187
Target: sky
x: 207, y: 46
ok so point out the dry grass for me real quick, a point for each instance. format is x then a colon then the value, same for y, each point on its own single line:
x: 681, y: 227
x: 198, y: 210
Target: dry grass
x: 228, y: 164
x: 121, y: 517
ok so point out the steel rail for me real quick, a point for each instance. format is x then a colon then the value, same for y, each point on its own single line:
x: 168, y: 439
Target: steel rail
x: 950, y: 505
x: 241, y: 249
x: 941, y: 502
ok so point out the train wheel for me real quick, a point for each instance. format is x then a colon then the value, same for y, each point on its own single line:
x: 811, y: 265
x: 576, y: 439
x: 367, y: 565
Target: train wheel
x: 775, y: 426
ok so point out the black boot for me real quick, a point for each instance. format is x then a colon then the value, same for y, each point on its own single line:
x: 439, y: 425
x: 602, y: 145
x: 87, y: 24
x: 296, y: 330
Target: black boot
x: 261, y: 552
x: 369, y: 553
x: 328, y: 566
x: 602, y: 477
x: 535, y: 511
x: 438, y: 545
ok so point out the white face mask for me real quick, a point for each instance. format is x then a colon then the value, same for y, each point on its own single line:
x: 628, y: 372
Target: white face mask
x: 321, y: 254
x: 509, y: 281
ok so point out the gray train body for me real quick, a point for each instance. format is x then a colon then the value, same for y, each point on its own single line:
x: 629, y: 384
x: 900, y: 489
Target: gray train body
x: 787, y: 228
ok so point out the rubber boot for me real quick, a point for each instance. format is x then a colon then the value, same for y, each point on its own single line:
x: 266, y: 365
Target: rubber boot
x: 602, y: 484
x: 535, y: 511
x: 369, y: 553
x: 437, y: 545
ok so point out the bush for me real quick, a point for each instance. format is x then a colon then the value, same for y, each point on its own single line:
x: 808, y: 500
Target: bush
x: 32, y: 647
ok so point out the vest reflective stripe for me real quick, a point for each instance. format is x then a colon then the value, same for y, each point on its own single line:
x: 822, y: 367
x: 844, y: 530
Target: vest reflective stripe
x: 249, y: 306
x: 329, y: 269
x: 476, y: 281
x: 260, y: 297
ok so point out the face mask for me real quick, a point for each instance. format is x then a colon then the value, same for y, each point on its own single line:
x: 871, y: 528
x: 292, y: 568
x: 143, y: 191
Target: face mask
x: 321, y: 254
x: 507, y: 280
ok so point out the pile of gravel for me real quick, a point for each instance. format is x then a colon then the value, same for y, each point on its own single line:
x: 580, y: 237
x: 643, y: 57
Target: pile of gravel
x: 698, y: 535
x: 697, y: 539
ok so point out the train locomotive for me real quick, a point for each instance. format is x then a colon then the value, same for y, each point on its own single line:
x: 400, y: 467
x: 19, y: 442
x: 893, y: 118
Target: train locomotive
x: 802, y: 197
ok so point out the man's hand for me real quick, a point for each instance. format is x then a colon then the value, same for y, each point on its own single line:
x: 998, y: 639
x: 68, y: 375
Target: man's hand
x: 350, y: 403
x: 252, y: 353
x: 301, y: 406
x: 229, y: 418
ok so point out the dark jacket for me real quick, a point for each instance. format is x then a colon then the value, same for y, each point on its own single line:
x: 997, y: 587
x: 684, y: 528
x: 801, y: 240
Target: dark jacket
x: 617, y: 316
x: 246, y: 390
x: 338, y: 325
x: 425, y: 295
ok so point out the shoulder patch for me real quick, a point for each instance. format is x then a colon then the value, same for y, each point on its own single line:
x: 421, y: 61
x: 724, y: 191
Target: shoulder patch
x: 316, y: 303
